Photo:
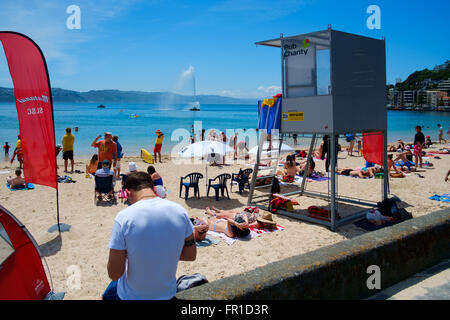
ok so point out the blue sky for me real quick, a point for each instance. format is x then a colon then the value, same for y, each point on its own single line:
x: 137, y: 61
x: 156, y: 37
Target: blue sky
x: 147, y: 45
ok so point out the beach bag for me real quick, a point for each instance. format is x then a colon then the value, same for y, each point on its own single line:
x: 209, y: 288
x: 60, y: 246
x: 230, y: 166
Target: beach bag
x: 186, y: 282
x: 388, y: 207
x: 302, y: 154
x: 275, y: 186
x: 280, y: 203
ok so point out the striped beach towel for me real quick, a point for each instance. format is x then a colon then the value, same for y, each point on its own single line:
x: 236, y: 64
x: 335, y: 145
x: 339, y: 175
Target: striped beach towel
x: 262, y: 231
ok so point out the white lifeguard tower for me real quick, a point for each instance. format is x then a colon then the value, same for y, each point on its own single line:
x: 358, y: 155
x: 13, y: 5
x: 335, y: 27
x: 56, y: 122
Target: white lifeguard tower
x: 333, y: 83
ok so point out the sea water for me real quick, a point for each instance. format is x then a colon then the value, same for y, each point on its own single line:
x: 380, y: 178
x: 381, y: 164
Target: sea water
x: 139, y: 132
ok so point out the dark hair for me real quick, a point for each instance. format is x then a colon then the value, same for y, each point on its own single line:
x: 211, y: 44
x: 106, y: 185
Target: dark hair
x: 68, y: 130
x: 419, y: 127
x: 94, y: 158
x: 151, y: 170
x: 18, y: 172
x: 239, y: 232
x: 390, y: 156
x: 138, y: 180
x: 312, y: 164
x: 115, y: 138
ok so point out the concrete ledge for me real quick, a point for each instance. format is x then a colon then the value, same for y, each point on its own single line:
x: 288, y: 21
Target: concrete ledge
x: 340, y: 271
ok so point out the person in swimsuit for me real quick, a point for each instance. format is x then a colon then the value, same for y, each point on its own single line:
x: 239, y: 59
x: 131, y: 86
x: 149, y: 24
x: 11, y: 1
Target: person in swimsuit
x: 157, y: 182
x: 359, y: 173
x: 201, y: 227
x: 233, y: 224
x: 393, y: 167
x: 441, y: 134
x: 17, y: 181
x: 302, y: 167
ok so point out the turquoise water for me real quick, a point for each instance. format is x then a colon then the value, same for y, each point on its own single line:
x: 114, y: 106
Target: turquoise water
x: 135, y: 133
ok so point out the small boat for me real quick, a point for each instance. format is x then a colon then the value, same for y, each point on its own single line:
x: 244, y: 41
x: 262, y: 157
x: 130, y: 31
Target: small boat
x: 195, y: 106
x: 134, y: 115
x: 101, y: 106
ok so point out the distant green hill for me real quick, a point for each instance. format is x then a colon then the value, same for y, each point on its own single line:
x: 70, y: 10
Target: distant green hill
x: 414, y: 81
x: 117, y: 96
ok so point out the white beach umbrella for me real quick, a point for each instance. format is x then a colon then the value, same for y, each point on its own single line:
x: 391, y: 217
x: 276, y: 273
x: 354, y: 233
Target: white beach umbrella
x: 203, y: 149
x: 284, y: 148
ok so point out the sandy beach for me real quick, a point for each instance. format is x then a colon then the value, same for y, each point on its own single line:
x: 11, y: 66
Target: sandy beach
x: 85, y: 246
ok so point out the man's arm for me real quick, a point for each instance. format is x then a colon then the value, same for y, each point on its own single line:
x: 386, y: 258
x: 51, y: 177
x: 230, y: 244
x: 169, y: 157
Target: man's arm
x: 116, y: 263
x: 446, y: 176
x: 93, y: 144
x: 189, y: 252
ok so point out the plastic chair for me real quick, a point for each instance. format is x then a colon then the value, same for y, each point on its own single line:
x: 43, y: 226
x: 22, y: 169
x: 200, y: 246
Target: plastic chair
x: 103, y: 185
x: 193, y: 183
x: 242, y: 181
x: 222, y: 185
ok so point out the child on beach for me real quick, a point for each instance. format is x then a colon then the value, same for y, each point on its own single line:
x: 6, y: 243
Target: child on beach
x: 157, y: 182
x: 17, y: 181
x: 91, y: 167
x: 6, y: 146
x: 419, y: 143
x: 441, y: 133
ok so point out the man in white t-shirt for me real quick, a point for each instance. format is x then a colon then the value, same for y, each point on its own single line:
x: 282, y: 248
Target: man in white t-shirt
x: 147, y: 241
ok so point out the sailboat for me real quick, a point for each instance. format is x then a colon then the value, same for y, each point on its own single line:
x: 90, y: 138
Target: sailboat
x: 194, y: 106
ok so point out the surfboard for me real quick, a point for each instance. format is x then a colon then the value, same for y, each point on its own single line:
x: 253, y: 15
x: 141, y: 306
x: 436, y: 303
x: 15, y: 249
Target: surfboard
x: 146, y: 156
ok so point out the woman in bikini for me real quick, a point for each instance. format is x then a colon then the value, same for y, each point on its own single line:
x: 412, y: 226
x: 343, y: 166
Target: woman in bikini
x: 232, y: 223
x: 290, y: 170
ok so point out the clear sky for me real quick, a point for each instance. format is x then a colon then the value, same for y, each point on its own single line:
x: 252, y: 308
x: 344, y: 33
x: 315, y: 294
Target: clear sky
x: 147, y: 45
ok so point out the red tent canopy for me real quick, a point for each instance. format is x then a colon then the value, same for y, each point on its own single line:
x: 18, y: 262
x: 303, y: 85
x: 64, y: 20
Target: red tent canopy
x: 22, y: 274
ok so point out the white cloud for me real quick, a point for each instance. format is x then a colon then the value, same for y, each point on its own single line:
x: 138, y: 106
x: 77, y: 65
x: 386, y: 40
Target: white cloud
x: 270, y: 89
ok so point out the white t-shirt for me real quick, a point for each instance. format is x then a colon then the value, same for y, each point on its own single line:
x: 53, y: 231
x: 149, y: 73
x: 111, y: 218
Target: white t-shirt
x: 152, y: 232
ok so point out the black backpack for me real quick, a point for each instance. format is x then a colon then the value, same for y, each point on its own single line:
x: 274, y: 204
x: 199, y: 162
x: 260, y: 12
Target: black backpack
x: 276, y: 186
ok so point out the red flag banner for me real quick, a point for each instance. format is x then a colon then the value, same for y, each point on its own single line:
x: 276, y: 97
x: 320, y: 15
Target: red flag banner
x: 373, y: 147
x: 32, y: 93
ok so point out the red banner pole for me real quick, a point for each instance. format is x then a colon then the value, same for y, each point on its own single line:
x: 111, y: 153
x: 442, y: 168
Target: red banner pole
x: 33, y: 98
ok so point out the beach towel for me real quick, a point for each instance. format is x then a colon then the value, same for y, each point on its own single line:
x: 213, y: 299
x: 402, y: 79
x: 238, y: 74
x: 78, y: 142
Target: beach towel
x: 443, y: 198
x: 318, y: 177
x: 207, y: 242
x: 262, y: 231
x: 29, y: 186
x: 229, y: 240
x: 65, y: 179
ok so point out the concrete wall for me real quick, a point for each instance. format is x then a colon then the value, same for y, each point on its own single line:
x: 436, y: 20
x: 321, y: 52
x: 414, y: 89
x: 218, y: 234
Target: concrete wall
x: 340, y: 271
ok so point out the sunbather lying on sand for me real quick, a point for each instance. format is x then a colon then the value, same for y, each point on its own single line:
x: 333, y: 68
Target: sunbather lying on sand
x: 359, y: 173
x: 200, y: 228
x: 237, y: 223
